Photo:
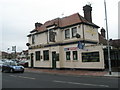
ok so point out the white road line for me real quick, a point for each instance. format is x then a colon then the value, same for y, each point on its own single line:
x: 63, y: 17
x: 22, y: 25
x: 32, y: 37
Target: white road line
x: 22, y: 77
x: 80, y: 83
x: 26, y: 77
x: 13, y: 75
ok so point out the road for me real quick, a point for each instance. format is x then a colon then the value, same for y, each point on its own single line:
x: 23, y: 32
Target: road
x: 45, y: 80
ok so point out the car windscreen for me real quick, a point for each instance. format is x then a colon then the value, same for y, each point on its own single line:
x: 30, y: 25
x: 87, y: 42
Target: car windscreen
x: 10, y: 63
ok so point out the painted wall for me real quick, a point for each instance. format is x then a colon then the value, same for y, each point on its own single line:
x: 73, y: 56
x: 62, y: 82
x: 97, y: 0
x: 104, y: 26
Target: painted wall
x: 90, y: 33
x: 63, y: 63
x: 78, y: 63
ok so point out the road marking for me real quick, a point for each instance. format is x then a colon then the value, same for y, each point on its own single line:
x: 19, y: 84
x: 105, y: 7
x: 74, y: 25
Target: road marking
x: 80, y: 83
x: 26, y: 77
x: 22, y: 77
x: 13, y: 75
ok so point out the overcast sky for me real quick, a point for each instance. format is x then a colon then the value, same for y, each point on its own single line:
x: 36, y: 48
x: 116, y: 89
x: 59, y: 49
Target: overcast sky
x: 17, y: 17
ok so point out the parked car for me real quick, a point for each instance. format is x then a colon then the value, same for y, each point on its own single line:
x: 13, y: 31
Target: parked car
x: 1, y: 63
x: 23, y: 63
x: 12, y: 67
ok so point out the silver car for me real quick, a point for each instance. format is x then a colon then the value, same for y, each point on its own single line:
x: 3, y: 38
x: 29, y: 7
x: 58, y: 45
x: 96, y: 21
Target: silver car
x: 12, y: 67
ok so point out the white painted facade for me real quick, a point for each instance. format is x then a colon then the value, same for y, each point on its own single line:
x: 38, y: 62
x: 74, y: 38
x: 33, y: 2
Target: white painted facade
x: 87, y: 33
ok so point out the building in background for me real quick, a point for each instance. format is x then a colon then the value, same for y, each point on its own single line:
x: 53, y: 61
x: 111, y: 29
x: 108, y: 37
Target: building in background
x: 23, y: 55
x: 12, y: 56
x: 114, y: 54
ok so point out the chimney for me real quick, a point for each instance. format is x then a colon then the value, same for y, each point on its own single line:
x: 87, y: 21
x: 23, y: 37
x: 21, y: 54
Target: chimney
x: 103, y: 32
x: 37, y: 25
x: 87, y: 13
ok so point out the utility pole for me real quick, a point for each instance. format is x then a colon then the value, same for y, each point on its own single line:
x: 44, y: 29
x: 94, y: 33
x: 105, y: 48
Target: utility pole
x: 108, y: 45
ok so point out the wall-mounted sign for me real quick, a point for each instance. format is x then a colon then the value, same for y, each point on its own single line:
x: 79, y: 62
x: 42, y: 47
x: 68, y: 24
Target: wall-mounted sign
x: 91, y: 31
x: 90, y: 57
x: 37, y: 47
x: 70, y: 48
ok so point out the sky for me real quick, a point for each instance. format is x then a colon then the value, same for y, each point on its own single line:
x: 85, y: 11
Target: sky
x: 17, y: 17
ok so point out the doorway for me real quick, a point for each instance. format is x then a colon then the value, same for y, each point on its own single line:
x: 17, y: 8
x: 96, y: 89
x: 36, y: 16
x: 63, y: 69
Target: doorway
x: 54, y: 60
x: 32, y: 63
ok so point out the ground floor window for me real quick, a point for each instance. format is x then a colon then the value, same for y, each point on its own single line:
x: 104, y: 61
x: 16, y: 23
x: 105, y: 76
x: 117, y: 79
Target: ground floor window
x: 46, y: 55
x: 75, y: 55
x: 90, y: 57
x: 68, y: 55
x: 57, y: 57
x: 37, y: 55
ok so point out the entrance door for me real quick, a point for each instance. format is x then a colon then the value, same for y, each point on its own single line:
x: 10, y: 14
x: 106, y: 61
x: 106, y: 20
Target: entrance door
x: 32, y: 60
x: 53, y: 60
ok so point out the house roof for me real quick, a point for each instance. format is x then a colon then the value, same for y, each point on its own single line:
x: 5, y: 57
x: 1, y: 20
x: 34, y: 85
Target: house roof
x: 102, y: 40
x: 65, y: 21
x: 115, y: 43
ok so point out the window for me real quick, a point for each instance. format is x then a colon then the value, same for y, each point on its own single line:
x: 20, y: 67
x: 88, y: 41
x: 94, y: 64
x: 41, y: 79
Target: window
x: 33, y: 39
x: 37, y: 55
x: 52, y: 36
x: 46, y: 55
x: 90, y: 57
x: 75, y: 57
x: 67, y: 34
x: 57, y: 57
x: 68, y: 55
x: 74, y: 31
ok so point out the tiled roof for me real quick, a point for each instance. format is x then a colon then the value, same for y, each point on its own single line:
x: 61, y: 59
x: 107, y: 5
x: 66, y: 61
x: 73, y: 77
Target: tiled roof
x: 115, y: 43
x: 102, y: 40
x: 66, y: 21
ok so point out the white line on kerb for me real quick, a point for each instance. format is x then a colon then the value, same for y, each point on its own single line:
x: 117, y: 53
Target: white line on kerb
x: 22, y: 77
x: 81, y: 83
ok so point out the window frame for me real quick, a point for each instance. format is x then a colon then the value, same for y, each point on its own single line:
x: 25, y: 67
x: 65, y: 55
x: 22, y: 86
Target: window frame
x: 46, y: 57
x: 33, y: 39
x: 37, y: 56
x: 74, y: 31
x: 67, y: 34
x: 90, y: 57
x: 76, y: 54
x: 69, y: 56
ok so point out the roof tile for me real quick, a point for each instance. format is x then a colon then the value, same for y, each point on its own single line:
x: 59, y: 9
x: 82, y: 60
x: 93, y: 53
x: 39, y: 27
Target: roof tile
x: 65, y: 21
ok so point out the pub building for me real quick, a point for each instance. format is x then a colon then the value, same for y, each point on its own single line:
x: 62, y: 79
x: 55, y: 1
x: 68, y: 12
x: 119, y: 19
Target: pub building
x: 67, y: 42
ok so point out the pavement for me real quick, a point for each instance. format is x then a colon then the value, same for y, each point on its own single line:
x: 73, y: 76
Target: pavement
x: 75, y: 72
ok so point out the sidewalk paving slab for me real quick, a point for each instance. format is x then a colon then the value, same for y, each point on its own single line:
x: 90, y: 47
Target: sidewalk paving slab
x: 74, y: 72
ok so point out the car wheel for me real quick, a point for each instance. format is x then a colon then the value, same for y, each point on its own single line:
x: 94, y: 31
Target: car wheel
x: 11, y: 70
x: 22, y: 71
x: 2, y: 70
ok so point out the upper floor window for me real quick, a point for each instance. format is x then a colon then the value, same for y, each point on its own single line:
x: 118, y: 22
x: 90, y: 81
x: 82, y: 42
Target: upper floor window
x: 74, y: 31
x: 67, y: 34
x: 33, y: 39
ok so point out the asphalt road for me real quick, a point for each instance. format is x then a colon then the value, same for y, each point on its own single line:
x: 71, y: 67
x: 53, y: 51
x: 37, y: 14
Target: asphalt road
x: 44, y: 80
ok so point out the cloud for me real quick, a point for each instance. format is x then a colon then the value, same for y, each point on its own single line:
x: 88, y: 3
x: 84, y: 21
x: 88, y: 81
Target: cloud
x: 19, y: 16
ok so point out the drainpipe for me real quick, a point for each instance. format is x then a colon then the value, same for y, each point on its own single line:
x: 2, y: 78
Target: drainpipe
x: 83, y: 34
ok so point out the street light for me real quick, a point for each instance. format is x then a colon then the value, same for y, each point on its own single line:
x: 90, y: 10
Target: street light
x: 108, y: 45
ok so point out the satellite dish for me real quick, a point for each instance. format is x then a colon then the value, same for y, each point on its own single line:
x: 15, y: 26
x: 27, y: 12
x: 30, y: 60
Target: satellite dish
x: 27, y: 44
x: 77, y: 35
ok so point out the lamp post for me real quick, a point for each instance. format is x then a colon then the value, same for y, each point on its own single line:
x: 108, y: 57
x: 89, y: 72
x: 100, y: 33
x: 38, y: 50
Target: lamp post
x: 108, y: 45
